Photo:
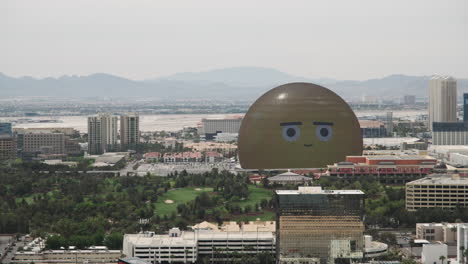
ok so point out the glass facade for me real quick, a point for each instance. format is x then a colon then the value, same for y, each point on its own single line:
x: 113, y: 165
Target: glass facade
x: 320, y: 227
x: 5, y: 129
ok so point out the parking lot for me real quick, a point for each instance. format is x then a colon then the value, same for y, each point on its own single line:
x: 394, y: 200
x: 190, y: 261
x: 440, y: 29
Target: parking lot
x: 8, y: 248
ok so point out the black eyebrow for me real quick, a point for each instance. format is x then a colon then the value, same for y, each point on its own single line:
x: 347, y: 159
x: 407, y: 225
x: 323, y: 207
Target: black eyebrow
x: 291, y: 124
x: 323, y: 123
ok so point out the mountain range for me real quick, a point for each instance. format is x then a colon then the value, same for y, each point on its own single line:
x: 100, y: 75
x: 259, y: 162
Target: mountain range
x: 238, y: 83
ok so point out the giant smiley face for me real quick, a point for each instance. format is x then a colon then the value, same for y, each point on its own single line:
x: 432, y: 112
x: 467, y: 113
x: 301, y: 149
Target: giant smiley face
x: 298, y: 125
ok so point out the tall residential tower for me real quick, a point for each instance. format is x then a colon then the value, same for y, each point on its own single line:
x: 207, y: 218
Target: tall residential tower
x: 442, y: 100
x: 129, y: 131
x: 102, y: 133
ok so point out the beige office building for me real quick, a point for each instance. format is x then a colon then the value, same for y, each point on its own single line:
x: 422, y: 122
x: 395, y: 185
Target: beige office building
x: 129, y: 131
x: 45, y: 143
x: 102, y: 133
x: 442, y: 100
x: 445, y: 191
x: 444, y: 232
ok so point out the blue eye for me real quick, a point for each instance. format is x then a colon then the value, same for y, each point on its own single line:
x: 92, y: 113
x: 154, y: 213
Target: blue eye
x: 324, y: 132
x: 291, y: 133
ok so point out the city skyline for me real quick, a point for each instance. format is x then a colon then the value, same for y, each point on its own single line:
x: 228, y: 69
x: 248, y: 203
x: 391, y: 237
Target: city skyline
x: 142, y: 39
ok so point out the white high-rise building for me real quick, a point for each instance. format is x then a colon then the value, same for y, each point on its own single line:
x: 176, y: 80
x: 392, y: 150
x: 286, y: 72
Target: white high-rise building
x: 129, y: 131
x: 102, y: 133
x: 442, y: 100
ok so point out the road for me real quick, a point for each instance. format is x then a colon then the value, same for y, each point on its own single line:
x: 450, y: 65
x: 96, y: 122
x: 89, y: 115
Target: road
x: 9, y: 253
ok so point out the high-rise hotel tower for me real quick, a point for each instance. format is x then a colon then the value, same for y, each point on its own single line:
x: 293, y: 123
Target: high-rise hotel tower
x: 442, y: 100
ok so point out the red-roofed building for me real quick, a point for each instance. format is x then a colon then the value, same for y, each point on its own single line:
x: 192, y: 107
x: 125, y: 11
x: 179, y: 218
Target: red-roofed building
x: 388, y: 169
x: 213, y: 156
x: 152, y: 156
x: 183, y: 157
x: 257, y: 177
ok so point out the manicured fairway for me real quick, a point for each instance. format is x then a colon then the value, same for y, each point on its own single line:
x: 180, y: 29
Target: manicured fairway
x: 178, y: 196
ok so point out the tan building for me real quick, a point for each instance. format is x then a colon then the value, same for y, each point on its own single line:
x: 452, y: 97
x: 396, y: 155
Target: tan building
x: 442, y: 100
x: 7, y: 148
x: 102, y: 133
x: 129, y: 131
x: 68, y: 256
x: 444, y: 232
x: 46, y: 143
x: 68, y: 131
x: 445, y: 191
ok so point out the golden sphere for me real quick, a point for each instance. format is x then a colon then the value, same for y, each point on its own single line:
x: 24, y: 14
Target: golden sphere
x: 298, y: 125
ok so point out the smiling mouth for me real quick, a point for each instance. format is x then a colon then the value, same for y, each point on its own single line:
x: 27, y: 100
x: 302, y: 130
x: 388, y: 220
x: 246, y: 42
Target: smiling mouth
x: 307, y: 145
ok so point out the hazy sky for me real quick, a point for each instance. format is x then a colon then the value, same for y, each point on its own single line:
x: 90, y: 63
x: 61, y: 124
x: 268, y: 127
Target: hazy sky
x: 349, y: 39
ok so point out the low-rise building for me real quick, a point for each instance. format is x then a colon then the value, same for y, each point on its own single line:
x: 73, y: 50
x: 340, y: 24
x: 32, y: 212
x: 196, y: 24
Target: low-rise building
x: 446, y: 191
x: 183, y: 157
x: 444, y: 232
x: 68, y: 256
x: 213, y: 156
x: 205, y: 242
x: 387, y: 169
x: 372, y: 128
x: 289, y: 178
x: 152, y: 156
x: 374, y: 249
x: 432, y: 252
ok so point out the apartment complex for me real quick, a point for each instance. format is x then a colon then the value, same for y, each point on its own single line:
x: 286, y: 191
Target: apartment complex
x: 129, y: 131
x: 206, y: 241
x: 7, y: 148
x: 319, y: 226
x: 209, y: 128
x: 437, y: 190
x: 385, y: 168
x: 102, y: 133
x: 442, y: 100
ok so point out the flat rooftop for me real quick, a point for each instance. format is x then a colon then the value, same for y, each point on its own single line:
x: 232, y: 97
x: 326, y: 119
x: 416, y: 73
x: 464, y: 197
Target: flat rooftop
x: 402, y: 157
x: 445, y: 179
x: 317, y: 190
x: 190, y: 238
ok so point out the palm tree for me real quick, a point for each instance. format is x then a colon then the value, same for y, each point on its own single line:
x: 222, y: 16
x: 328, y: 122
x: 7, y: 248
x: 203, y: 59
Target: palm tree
x: 442, y: 259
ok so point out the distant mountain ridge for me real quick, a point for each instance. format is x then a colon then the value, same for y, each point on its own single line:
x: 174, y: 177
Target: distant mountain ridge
x: 238, y: 83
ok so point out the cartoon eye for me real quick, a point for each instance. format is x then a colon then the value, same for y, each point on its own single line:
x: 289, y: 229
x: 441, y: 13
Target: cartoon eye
x: 291, y: 133
x: 324, y: 132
